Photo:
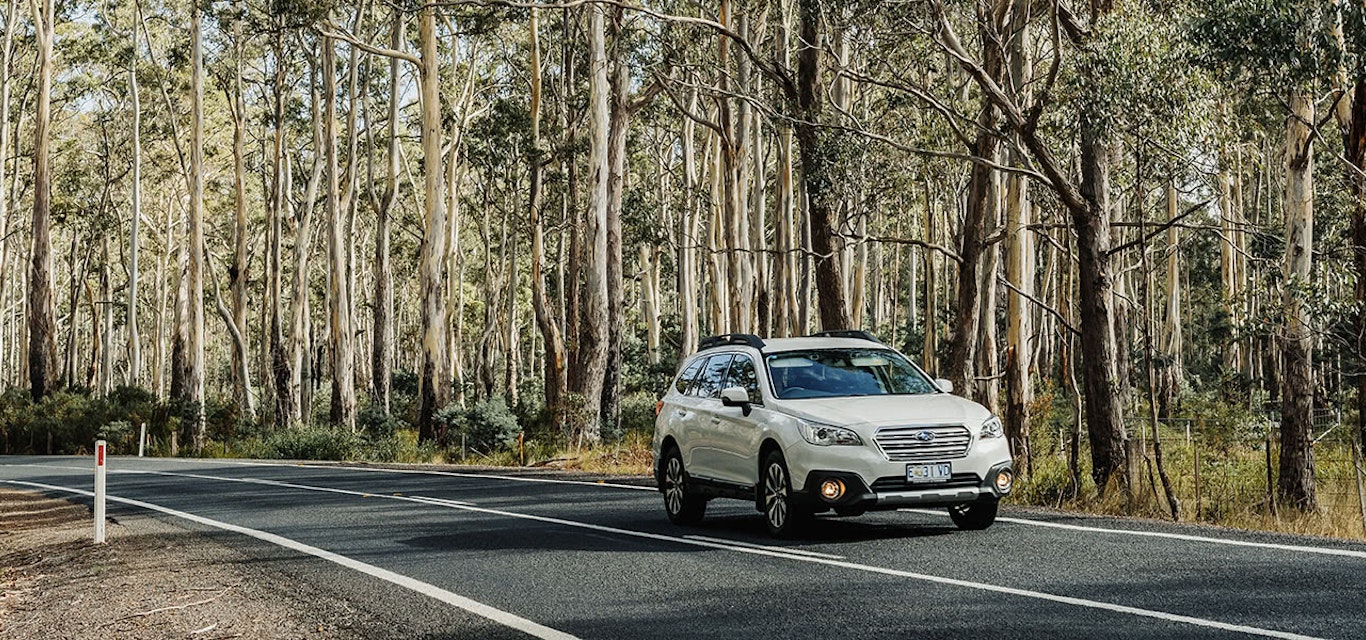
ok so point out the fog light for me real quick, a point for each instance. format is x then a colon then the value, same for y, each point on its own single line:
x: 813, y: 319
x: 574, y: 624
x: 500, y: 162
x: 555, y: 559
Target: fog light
x: 1003, y: 480
x: 832, y: 489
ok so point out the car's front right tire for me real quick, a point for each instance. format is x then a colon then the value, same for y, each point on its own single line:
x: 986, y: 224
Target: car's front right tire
x: 784, y: 515
x: 681, y: 504
x: 974, y: 517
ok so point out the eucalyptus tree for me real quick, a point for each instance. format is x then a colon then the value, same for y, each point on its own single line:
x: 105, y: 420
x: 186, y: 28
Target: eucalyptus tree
x: 1286, y: 49
x: 42, y: 321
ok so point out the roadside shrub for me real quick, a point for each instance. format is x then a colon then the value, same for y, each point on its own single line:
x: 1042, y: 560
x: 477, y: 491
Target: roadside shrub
x: 486, y: 427
x: 375, y: 423
x: 311, y: 443
x: 638, y: 413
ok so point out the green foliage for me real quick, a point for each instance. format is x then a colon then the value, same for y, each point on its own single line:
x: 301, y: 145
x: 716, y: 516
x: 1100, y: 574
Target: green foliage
x: 372, y: 421
x: 1275, y: 42
x: 486, y: 427
x: 638, y: 412
x: 310, y: 443
x: 69, y: 421
x: 1134, y: 74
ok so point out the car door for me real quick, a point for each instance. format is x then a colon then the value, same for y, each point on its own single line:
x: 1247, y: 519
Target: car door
x: 702, y: 458
x: 679, y: 413
x: 737, y: 435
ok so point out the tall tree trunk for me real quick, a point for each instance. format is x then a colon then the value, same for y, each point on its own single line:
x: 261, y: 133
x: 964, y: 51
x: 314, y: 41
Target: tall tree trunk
x: 1351, y: 115
x: 435, y: 360
x: 6, y: 57
x: 303, y: 371
x: 817, y: 170
x: 929, y: 351
x: 285, y: 410
x: 554, y: 361
x: 237, y: 275
x: 1296, y: 483
x: 1019, y: 262
x: 1173, y: 347
x: 194, y: 288
x: 590, y: 358
x: 689, y: 230
x: 619, y: 125
x: 382, y: 319
x: 42, y: 320
x: 983, y: 203
x: 135, y: 216
x: 1104, y: 415
x: 342, y: 337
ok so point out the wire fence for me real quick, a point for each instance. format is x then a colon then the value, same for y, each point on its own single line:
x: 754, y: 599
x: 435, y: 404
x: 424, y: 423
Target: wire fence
x: 1225, y: 468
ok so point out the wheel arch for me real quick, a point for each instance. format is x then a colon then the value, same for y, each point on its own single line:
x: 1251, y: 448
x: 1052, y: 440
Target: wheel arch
x: 769, y: 445
x: 664, y: 446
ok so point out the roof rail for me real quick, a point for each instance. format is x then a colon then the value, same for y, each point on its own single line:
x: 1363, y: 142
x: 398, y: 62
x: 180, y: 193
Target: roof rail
x: 747, y: 339
x: 857, y: 334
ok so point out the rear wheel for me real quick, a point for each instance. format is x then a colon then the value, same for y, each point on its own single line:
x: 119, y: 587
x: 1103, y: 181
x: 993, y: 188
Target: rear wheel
x: 681, y: 504
x: 974, y: 517
x: 783, y: 515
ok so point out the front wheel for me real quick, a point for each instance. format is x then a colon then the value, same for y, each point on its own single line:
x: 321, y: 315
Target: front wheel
x: 974, y: 517
x: 682, y: 506
x: 783, y: 516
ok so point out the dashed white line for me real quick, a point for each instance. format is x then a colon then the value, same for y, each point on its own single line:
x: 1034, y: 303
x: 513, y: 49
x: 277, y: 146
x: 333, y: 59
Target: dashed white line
x: 800, y: 552
x: 432, y: 591
x: 1327, y: 551
x: 786, y: 554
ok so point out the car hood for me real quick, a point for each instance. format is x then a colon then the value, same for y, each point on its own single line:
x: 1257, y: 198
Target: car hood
x: 878, y: 411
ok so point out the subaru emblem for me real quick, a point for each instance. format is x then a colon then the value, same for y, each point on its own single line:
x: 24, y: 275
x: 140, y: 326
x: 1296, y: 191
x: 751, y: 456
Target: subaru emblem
x: 924, y: 436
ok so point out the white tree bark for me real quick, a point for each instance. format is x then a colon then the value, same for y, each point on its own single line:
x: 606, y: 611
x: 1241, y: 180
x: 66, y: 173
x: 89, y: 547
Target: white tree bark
x: 435, y: 359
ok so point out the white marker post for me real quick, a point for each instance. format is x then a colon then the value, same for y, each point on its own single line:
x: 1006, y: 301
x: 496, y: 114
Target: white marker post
x: 99, y: 491
x: 142, y: 438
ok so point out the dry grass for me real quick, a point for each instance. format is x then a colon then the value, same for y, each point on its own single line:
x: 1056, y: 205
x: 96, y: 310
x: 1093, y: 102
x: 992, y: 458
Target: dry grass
x: 1232, y: 492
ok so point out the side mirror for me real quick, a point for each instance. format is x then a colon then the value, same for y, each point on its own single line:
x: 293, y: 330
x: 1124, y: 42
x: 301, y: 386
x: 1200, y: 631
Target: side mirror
x: 736, y: 397
x: 944, y: 385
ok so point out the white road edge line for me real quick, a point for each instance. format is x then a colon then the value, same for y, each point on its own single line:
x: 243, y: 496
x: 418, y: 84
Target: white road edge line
x: 432, y: 591
x: 800, y: 552
x: 843, y: 564
x: 1328, y: 551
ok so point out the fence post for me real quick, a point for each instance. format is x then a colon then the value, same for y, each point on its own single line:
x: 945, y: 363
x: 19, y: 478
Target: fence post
x: 1270, y: 486
x: 100, y: 448
x: 142, y: 438
x: 1196, y: 464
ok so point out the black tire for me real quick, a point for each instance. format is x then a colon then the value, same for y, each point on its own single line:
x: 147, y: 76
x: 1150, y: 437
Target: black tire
x: 681, y: 504
x: 974, y: 517
x: 784, y: 515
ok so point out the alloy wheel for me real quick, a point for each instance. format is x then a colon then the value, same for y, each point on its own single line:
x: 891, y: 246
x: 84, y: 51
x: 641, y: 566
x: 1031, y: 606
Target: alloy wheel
x: 775, y: 496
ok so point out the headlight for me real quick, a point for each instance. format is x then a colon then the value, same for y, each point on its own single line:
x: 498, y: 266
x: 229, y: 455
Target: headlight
x: 992, y: 428
x: 825, y: 435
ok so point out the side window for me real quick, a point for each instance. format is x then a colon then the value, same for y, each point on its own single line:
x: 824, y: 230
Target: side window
x: 742, y: 374
x: 685, y: 379
x: 713, y: 377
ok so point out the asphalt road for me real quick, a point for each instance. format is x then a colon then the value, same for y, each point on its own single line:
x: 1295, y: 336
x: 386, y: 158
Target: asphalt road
x: 492, y: 555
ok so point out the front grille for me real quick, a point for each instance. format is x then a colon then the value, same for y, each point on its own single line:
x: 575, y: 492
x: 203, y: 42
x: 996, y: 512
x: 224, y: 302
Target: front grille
x: 910, y: 444
x: 898, y: 483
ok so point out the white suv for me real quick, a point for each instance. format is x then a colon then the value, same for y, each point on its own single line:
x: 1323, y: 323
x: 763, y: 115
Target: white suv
x: 835, y: 421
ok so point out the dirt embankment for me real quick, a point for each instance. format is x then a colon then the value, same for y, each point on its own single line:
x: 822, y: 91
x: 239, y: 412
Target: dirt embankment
x: 151, y: 580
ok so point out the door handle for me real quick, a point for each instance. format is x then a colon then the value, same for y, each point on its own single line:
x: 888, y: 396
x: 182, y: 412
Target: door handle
x: 680, y: 413
x: 715, y: 420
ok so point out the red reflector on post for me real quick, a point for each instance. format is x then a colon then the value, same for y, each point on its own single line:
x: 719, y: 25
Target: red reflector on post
x: 99, y: 455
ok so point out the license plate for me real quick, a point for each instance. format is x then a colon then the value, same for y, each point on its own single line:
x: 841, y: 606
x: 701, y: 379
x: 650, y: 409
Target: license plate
x: 929, y: 472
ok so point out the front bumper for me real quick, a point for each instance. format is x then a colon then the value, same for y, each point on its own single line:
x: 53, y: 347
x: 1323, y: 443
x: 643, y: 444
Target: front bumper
x: 893, y: 492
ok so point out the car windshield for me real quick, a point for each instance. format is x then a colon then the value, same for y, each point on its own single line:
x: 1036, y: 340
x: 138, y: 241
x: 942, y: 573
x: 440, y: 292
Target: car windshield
x: 830, y: 373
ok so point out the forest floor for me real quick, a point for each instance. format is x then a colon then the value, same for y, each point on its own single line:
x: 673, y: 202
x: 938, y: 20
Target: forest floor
x: 151, y: 580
